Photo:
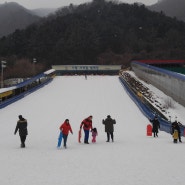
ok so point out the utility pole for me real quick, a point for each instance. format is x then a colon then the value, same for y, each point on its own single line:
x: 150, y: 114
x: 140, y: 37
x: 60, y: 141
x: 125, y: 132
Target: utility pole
x: 34, y: 61
x: 2, y: 77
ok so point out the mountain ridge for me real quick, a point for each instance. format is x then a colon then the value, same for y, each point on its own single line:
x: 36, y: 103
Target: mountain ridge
x: 44, y: 12
x: 172, y: 8
x: 100, y: 32
x: 14, y: 16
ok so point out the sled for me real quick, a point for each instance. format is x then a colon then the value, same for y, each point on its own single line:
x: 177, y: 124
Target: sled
x: 79, y: 135
x: 59, y: 140
x: 149, y: 130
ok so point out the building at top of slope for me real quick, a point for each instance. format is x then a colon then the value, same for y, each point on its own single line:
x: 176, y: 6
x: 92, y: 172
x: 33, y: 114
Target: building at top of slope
x: 87, y: 69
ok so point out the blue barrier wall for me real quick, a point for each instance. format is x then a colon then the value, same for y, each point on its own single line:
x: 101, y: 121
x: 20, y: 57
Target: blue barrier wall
x: 23, y: 94
x: 164, y: 124
x: 171, y: 83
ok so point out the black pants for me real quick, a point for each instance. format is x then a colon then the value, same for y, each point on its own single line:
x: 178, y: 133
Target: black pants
x: 23, y: 139
x: 108, y: 136
x: 155, y: 134
x: 179, y: 136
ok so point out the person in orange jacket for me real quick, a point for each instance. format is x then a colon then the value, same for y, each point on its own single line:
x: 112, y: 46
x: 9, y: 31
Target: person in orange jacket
x: 87, y: 126
x: 65, y: 128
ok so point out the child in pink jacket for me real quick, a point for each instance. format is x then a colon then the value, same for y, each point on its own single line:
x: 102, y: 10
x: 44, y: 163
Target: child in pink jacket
x: 94, y: 134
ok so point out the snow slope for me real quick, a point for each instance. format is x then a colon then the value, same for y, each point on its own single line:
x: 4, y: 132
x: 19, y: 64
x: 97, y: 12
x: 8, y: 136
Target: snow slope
x: 133, y: 159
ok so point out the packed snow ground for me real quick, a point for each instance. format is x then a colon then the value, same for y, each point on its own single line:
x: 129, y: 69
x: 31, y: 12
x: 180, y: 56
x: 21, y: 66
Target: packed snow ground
x: 133, y: 159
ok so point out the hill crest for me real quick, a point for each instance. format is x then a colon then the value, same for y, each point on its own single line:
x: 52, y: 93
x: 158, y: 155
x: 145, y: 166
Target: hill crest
x: 172, y: 8
x: 14, y: 16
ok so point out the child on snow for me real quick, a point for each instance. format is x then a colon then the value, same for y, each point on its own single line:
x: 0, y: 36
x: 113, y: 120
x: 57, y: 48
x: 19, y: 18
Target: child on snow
x: 94, y: 134
x: 176, y: 132
x: 175, y: 136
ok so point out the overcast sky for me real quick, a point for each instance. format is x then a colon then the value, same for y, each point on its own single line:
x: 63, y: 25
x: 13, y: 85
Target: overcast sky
x: 32, y: 4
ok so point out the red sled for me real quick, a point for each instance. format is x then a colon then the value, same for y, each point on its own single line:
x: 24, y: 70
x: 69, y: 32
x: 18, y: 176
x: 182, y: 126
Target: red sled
x: 149, y: 130
x: 79, y: 135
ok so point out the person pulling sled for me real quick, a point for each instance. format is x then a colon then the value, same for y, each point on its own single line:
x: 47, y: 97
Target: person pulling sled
x: 65, y: 128
x: 86, y: 124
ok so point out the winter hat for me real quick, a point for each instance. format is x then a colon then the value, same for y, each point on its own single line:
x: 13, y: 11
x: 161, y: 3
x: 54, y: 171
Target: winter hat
x: 20, y: 117
x: 108, y: 116
x: 66, y: 120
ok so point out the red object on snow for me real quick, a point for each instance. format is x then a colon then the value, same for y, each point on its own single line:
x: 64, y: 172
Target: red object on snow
x: 79, y: 135
x: 149, y: 130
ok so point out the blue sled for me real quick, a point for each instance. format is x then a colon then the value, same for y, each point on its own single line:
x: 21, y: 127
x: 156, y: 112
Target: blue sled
x: 60, y: 139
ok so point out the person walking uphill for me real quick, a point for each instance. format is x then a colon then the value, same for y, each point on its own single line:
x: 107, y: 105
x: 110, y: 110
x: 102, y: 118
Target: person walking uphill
x: 109, y: 127
x: 23, y: 132
x: 65, y: 128
x: 155, y: 125
x: 87, y: 126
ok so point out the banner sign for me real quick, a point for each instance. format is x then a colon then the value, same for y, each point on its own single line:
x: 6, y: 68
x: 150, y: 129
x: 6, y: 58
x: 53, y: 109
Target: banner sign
x: 86, y: 67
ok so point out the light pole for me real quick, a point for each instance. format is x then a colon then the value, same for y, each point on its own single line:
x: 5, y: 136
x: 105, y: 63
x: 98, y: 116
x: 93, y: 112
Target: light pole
x: 34, y: 61
x: 2, y: 67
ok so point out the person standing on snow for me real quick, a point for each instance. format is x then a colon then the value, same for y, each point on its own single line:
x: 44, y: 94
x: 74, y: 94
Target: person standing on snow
x: 176, y: 126
x: 23, y: 132
x: 155, y: 125
x: 65, y: 128
x: 94, y: 134
x: 87, y: 126
x: 109, y: 127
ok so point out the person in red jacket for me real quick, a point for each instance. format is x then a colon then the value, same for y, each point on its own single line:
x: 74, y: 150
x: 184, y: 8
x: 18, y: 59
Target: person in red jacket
x: 87, y: 126
x: 65, y: 128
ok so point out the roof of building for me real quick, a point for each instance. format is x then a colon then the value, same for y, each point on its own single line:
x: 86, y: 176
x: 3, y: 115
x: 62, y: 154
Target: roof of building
x: 162, y: 61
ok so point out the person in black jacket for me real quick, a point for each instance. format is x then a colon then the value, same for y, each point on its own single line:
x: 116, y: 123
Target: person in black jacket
x: 176, y: 126
x: 23, y: 132
x: 155, y: 125
x: 109, y: 127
